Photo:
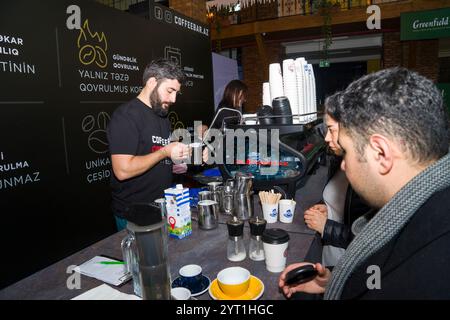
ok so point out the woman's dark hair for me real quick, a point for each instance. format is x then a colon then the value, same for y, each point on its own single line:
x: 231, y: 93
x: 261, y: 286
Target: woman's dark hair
x: 161, y: 69
x: 332, y: 106
x: 232, y: 92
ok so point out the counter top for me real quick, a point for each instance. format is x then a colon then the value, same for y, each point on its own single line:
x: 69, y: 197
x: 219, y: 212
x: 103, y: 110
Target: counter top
x: 206, y: 248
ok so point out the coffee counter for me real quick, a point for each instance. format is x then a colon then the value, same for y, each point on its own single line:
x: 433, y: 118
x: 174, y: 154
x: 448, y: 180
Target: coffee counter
x: 206, y: 248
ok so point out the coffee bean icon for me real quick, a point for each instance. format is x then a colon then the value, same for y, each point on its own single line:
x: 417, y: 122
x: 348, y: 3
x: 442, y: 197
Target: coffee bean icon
x: 96, y: 127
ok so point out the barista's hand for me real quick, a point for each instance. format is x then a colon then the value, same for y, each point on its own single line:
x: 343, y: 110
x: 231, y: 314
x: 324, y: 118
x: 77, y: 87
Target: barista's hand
x: 316, y: 218
x: 176, y: 151
x: 317, y: 285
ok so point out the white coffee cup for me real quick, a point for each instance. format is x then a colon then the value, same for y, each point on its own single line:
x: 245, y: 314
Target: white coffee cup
x: 287, y: 209
x: 180, y: 293
x: 270, y: 212
x: 275, y: 243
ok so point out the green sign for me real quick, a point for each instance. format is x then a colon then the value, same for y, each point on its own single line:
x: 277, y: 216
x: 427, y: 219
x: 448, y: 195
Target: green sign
x: 431, y: 24
x: 445, y: 87
x: 324, y: 63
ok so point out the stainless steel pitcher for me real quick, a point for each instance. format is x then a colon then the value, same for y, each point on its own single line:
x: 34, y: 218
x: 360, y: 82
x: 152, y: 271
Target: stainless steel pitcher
x: 227, y: 197
x: 207, y: 214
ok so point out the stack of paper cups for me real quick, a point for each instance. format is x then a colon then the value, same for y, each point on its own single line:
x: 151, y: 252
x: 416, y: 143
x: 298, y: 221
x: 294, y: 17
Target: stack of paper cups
x: 310, y: 92
x: 267, y: 101
x: 290, y: 84
x: 314, y: 97
x: 300, y: 76
x: 307, y: 90
x: 275, y: 81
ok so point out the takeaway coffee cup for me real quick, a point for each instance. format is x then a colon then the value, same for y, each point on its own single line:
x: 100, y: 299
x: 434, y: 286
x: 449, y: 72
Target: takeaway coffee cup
x: 287, y: 209
x: 275, y: 243
x: 191, y: 277
x: 197, y: 153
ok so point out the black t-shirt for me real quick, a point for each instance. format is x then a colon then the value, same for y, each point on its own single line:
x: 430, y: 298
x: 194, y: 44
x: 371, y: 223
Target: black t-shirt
x: 135, y: 129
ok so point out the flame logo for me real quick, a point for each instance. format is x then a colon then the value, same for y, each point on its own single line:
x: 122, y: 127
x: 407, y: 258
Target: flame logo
x: 92, y: 47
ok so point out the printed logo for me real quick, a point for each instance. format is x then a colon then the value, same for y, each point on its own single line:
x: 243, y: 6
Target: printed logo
x: 173, y: 54
x: 374, y: 280
x: 158, y: 13
x: 97, y: 140
x: 288, y: 213
x: 273, y: 213
x: 168, y: 16
x: 74, y: 280
x: 175, y: 122
x: 93, y: 47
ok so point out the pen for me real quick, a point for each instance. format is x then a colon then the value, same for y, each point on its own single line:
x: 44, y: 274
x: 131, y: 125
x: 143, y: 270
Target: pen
x: 111, y: 262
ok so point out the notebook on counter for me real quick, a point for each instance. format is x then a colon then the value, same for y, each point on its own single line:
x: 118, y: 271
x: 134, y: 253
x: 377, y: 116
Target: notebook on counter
x: 105, y: 269
x: 105, y: 292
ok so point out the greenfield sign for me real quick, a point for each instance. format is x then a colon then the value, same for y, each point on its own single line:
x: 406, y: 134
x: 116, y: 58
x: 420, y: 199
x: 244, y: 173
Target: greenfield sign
x: 431, y: 24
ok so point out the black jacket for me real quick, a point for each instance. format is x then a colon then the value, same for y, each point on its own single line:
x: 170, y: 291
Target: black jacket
x: 414, y: 264
x: 339, y: 234
x: 226, y: 116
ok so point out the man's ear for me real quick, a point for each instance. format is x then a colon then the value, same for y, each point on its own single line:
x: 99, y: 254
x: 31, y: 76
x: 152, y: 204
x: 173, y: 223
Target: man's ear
x: 151, y: 83
x: 382, y: 152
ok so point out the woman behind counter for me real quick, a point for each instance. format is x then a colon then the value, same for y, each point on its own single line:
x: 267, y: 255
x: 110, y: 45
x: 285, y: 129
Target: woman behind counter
x: 234, y: 96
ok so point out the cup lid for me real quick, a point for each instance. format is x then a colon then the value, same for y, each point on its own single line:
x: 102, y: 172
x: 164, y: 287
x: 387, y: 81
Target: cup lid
x: 275, y: 236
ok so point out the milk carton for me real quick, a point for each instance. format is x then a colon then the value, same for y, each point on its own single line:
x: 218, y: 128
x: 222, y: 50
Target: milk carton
x: 178, y: 211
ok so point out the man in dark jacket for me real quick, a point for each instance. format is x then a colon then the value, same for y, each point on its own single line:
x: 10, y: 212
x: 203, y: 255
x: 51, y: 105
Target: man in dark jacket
x: 394, y: 133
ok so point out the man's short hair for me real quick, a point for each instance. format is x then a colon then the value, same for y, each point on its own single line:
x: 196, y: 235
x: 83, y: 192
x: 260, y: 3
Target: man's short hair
x: 400, y: 104
x: 163, y: 69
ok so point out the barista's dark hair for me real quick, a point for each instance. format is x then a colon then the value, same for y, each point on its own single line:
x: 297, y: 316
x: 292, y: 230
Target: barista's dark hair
x: 163, y: 69
x: 400, y: 104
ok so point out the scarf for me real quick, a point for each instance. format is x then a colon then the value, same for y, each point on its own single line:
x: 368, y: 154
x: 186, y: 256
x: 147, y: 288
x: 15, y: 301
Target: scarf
x: 388, y: 222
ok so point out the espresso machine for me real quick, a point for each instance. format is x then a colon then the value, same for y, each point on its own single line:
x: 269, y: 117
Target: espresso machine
x: 301, y: 149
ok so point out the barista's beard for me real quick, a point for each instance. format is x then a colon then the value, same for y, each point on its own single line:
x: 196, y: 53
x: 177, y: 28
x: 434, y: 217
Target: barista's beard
x: 157, y: 105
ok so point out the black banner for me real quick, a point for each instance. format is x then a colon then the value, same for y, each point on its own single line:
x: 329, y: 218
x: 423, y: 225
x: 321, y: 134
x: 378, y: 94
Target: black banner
x: 64, y: 68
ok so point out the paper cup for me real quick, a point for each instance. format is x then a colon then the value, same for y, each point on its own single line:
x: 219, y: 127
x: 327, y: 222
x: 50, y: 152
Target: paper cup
x: 287, y: 209
x: 275, y: 243
x: 275, y: 255
x: 270, y: 212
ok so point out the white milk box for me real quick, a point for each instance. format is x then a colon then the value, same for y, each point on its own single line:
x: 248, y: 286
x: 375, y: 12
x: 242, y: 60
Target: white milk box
x: 178, y: 208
